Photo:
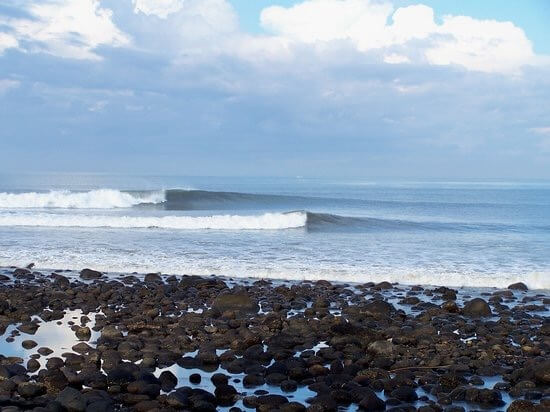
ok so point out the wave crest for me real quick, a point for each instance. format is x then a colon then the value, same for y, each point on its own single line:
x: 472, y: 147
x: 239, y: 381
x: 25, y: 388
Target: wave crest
x: 267, y: 221
x: 94, y: 199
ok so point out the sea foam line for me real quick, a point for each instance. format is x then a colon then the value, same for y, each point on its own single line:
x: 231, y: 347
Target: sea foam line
x: 267, y: 221
x: 94, y: 199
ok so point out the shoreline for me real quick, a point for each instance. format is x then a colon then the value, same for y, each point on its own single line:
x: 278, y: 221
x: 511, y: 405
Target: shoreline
x: 152, y: 342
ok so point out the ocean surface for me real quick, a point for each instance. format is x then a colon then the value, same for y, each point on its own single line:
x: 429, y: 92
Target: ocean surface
x: 453, y: 233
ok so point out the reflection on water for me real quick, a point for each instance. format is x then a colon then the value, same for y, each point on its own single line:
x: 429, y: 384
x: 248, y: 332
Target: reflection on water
x: 55, y: 335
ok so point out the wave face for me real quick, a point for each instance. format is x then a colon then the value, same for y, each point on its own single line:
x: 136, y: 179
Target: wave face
x: 267, y: 221
x: 94, y: 199
x: 210, y: 200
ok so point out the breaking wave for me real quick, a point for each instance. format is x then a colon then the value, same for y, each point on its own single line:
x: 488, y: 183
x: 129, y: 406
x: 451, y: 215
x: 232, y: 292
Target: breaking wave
x: 94, y: 199
x: 267, y: 221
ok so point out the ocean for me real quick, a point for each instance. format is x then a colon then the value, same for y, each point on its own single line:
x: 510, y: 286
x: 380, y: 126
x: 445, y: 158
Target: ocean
x: 474, y: 233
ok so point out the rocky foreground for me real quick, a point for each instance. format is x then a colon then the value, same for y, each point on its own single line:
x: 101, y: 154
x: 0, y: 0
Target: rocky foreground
x: 155, y: 342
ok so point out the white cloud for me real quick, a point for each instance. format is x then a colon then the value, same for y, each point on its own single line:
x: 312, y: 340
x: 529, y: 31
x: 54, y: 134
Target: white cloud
x: 483, y: 45
x: 7, y: 42
x: 67, y: 28
x: 194, y: 30
x: 159, y: 8
x: 7, y: 84
x: 480, y: 45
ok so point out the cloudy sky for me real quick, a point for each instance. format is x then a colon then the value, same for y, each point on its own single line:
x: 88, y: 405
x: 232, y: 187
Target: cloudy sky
x: 276, y: 87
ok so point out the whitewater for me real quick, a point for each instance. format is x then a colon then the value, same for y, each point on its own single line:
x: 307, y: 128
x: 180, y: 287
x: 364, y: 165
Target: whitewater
x: 94, y: 199
x: 477, y: 234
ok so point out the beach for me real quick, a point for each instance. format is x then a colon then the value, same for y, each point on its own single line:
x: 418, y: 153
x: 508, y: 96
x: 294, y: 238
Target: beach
x: 86, y: 340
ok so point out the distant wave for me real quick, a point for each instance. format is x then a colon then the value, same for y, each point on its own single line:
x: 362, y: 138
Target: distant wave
x: 94, y: 199
x: 267, y: 221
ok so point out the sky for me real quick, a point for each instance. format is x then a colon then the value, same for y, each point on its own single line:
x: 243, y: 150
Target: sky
x: 320, y: 88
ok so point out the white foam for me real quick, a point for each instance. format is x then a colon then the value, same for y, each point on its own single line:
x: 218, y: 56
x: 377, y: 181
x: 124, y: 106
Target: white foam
x: 95, y: 199
x: 267, y: 221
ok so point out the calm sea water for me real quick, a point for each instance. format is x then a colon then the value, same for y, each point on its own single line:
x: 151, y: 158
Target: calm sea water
x: 458, y: 233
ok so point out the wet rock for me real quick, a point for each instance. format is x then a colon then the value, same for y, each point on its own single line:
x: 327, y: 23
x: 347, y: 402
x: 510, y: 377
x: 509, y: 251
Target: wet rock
x: 379, y: 307
x: 225, y: 394
x: 240, y: 303
x: 89, y: 274
x: 21, y: 272
x: 371, y: 402
x: 30, y: 389
x: 45, y: 351
x: 28, y: 327
x: 405, y: 393
x: 520, y: 405
x: 542, y: 372
x: 142, y: 387
x: 28, y: 344
x: 33, y: 365
x: 518, y: 286
x: 153, y: 278
x: 195, y: 378
x: 381, y: 348
x: 83, y: 333
x: 72, y: 400
x: 110, y: 332
x: 477, y: 308
x: 168, y: 381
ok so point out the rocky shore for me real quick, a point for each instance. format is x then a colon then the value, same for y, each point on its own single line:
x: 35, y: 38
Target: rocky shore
x: 85, y: 341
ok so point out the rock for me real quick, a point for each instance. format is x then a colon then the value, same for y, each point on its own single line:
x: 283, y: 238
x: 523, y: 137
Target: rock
x: 272, y: 401
x: 520, y: 405
x: 29, y: 344
x: 542, y: 372
x: 518, y: 286
x: 477, y: 308
x: 72, y: 400
x: 225, y: 394
x: 405, y: 393
x: 33, y: 365
x: 450, y: 306
x: 28, y: 327
x: 83, y: 333
x: 45, y: 351
x: 30, y: 389
x: 371, y: 402
x: 240, y: 303
x: 21, y: 272
x: 381, y: 348
x: 153, y: 278
x: 89, y: 274
x: 168, y: 381
x: 110, y: 332
x: 143, y: 387
x: 195, y: 378
x: 379, y: 307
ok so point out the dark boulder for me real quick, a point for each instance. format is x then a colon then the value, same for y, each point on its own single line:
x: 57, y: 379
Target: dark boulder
x: 72, y: 400
x: 477, y: 308
x: 240, y: 303
x: 89, y: 274
x: 518, y: 286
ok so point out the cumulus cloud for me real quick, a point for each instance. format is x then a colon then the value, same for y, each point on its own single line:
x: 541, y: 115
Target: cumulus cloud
x: 159, y: 8
x: 481, y: 45
x: 76, y: 28
x: 66, y: 28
